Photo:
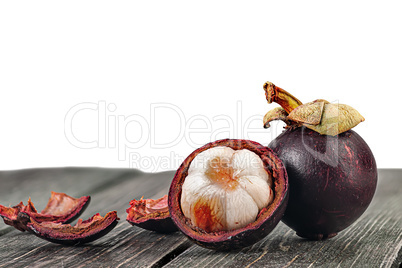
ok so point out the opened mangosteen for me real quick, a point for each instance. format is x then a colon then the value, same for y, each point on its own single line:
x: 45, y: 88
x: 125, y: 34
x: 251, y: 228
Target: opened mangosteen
x: 228, y: 194
x: 332, y: 171
x: 151, y: 215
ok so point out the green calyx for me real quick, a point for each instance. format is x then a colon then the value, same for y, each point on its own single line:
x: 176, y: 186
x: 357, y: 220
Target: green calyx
x: 320, y: 115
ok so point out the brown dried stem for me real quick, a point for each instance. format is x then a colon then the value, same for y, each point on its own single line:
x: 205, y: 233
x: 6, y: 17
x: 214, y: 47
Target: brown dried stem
x: 281, y: 96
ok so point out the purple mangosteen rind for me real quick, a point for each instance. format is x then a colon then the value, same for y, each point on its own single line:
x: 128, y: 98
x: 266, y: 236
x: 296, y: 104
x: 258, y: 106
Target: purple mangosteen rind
x: 108, y: 223
x: 267, y: 218
x: 22, y: 214
x: 25, y: 217
x: 151, y: 215
x: 69, y: 217
x: 163, y: 225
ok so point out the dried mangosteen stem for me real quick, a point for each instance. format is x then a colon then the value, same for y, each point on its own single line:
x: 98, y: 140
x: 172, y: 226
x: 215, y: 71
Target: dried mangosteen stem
x: 281, y: 96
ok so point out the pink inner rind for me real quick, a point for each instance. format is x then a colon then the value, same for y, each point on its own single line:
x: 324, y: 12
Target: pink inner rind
x: 60, y: 208
x: 148, y: 209
x: 151, y: 215
x: 64, y: 211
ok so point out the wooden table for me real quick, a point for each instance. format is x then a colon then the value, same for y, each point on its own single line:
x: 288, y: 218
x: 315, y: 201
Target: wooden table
x: 375, y: 240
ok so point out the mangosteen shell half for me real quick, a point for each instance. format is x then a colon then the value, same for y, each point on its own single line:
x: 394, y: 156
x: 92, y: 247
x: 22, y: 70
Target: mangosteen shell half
x: 267, y: 218
x: 156, y: 218
x: 83, y: 232
x: 332, y: 180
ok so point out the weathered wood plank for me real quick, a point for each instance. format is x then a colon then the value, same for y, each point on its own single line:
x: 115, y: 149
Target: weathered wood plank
x: 375, y: 240
x: 125, y: 246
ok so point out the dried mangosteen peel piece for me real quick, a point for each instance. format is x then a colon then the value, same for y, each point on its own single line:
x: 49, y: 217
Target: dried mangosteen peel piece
x: 208, y: 234
x: 81, y: 233
x: 151, y: 215
x: 320, y: 115
x: 10, y: 216
x: 61, y: 208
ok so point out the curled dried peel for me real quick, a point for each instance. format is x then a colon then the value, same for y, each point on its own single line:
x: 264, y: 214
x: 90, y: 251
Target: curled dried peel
x: 83, y: 232
x: 60, y: 208
x: 151, y: 215
x: 320, y: 115
x: 10, y: 216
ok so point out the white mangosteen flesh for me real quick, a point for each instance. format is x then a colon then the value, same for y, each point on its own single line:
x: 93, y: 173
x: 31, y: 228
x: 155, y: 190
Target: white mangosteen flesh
x: 225, y: 189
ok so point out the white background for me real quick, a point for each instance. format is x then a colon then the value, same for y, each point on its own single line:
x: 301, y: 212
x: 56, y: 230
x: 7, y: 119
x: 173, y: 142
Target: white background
x: 139, y: 84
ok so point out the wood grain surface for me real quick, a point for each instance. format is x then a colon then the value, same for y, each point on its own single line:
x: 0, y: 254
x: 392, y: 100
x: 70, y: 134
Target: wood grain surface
x: 375, y: 240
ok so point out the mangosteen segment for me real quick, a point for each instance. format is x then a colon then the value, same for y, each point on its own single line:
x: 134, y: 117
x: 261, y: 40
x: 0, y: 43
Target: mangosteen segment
x: 151, y: 215
x: 82, y: 232
x: 227, y: 238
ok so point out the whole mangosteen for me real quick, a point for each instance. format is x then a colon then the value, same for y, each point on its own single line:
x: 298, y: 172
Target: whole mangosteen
x: 332, y: 171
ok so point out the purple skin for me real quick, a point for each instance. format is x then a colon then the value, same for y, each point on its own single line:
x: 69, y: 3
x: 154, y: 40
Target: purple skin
x: 160, y: 225
x: 332, y: 180
x: 75, y: 235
